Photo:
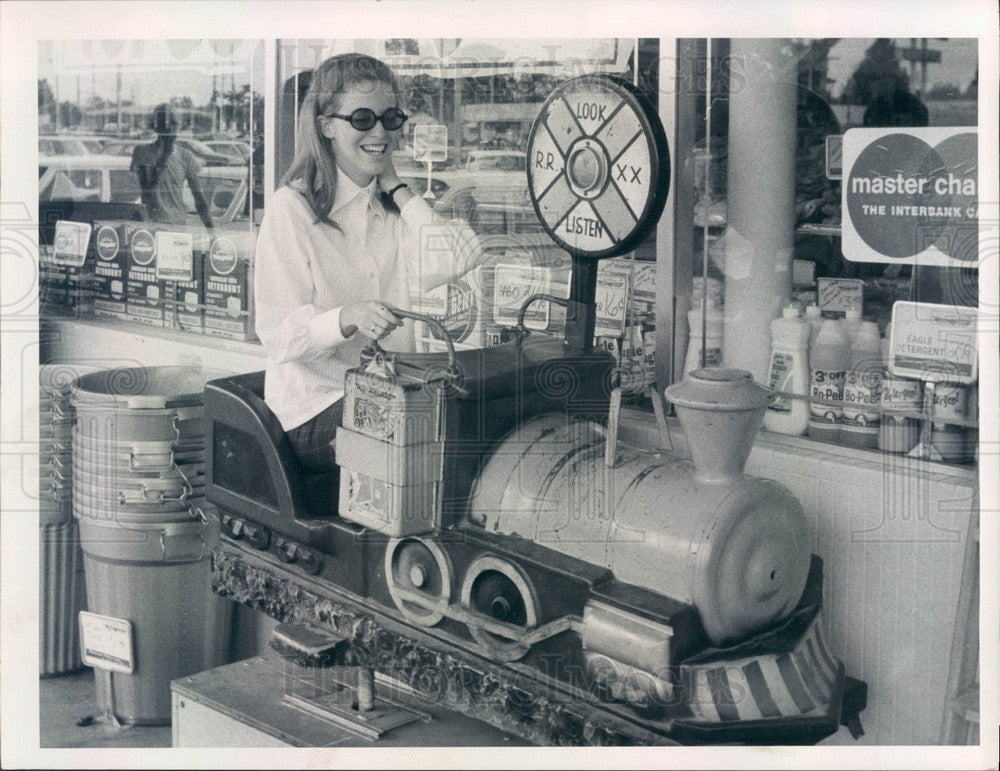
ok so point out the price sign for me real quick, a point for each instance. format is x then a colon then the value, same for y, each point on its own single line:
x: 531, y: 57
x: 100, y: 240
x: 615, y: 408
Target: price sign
x: 430, y: 142
x: 612, y: 299
x: 106, y: 642
x: 513, y: 285
x: 936, y: 343
x: 840, y: 294
x: 175, y: 256
x: 70, y: 245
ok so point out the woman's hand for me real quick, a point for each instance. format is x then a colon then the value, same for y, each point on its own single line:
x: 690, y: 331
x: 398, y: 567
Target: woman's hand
x: 372, y: 318
x: 389, y: 180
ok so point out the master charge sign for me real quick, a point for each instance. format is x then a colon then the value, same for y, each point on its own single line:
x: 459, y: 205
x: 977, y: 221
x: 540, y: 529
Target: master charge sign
x: 910, y: 196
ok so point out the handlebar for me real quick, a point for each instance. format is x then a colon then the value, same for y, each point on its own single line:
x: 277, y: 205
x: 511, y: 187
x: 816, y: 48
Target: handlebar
x: 523, y: 330
x: 430, y: 321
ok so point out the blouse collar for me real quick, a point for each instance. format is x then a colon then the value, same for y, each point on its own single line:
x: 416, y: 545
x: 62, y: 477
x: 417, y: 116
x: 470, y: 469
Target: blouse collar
x: 348, y: 190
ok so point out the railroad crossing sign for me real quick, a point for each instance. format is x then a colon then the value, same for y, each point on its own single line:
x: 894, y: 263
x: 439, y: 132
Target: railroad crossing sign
x: 598, y: 166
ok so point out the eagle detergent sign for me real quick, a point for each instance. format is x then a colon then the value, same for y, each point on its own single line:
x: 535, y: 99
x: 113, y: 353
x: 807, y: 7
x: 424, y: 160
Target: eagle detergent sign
x: 910, y: 196
x: 934, y: 342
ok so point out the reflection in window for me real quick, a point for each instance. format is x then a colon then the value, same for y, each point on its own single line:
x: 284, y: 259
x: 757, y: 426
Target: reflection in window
x: 842, y: 84
x: 124, y: 186
x: 96, y: 97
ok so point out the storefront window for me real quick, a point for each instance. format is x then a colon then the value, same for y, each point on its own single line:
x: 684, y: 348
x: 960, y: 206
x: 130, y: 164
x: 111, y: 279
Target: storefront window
x: 141, y: 143
x: 891, y: 88
x: 96, y: 103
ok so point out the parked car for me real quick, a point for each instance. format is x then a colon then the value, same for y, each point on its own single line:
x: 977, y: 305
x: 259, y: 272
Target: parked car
x: 87, y: 177
x: 237, y: 152
x: 496, y: 160
x: 55, y: 145
x: 118, y: 146
x: 108, y: 179
x: 498, y: 208
x: 227, y: 189
x: 205, y: 154
x: 501, y: 171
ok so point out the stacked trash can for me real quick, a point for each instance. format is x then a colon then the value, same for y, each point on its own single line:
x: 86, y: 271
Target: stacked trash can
x: 138, y: 495
x: 61, y: 588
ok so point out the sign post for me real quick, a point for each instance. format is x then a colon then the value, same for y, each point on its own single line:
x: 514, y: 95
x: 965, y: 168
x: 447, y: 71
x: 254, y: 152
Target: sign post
x: 430, y: 144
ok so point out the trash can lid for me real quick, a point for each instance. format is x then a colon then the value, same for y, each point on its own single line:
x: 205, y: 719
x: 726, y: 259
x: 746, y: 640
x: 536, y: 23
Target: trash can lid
x: 143, y: 387
x: 56, y: 379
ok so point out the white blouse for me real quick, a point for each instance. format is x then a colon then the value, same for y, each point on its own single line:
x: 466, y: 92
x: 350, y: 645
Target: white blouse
x: 305, y: 272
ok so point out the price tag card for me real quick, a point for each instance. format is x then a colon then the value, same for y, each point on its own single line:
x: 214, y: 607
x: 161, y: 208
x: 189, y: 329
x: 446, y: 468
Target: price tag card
x: 70, y: 243
x: 106, y: 642
x: 513, y: 285
x: 430, y: 142
x: 645, y: 282
x: 174, y: 256
x: 933, y: 342
x: 612, y: 299
x: 840, y: 294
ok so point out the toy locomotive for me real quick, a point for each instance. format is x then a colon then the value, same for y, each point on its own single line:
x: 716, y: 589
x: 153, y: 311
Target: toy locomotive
x: 486, y: 543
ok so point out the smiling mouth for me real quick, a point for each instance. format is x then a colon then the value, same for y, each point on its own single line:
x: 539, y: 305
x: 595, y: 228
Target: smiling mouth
x: 375, y: 149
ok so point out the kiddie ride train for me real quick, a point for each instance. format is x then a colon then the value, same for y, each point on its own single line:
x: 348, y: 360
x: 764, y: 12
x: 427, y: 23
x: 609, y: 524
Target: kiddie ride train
x: 489, y: 544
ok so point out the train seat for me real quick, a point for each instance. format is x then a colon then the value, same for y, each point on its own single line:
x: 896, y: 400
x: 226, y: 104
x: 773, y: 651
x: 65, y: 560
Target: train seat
x: 251, y: 465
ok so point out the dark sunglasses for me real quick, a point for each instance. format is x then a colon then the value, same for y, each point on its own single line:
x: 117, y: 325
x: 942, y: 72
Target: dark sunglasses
x: 364, y: 119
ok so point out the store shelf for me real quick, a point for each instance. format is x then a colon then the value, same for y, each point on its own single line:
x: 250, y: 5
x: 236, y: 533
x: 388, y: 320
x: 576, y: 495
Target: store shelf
x: 111, y: 343
x: 818, y: 229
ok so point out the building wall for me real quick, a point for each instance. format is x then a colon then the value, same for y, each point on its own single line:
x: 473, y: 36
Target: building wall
x: 892, y: 534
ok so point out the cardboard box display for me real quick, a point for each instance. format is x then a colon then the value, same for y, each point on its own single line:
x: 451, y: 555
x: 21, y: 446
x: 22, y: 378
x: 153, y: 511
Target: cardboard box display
x: 550, y: 258
x: 71, y: 245
x: 180, y: 265
x: 56, y: 299
x: 110, y: 248
x: 66, y: 270
x: 143, y: 290
x: 228, y: 289
x: 635, y: 352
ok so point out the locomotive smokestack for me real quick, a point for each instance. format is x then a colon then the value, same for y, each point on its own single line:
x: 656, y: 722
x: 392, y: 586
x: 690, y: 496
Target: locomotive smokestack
x: 720, y: 411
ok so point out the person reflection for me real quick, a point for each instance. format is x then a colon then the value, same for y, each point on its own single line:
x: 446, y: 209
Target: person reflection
x: 896, y: 107
x: 163, y: 167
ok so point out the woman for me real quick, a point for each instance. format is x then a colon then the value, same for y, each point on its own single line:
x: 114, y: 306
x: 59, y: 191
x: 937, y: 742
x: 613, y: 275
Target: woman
x: 340, y: 243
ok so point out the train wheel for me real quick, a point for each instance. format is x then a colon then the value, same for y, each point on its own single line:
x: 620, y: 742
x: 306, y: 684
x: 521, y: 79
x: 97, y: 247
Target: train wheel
x: 418, y: 566
x: 495, y: 588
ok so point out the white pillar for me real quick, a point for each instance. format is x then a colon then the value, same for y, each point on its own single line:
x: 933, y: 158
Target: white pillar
x: 761, y: 198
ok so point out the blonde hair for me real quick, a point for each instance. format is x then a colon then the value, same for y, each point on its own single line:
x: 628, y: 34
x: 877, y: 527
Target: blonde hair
x: 314, y: 164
